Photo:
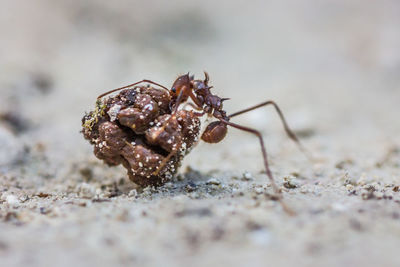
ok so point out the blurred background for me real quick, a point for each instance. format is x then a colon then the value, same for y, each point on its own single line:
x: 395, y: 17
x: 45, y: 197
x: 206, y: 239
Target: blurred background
x: 333, y: 67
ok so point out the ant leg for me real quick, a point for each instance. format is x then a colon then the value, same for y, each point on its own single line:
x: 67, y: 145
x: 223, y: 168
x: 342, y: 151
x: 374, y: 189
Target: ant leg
x: 180, y: 98
x: 172, y: 116
x: 191, y: 105
x: 178, y: 102
x: 186, y: 91
x: 167, y: 158
x: 175, y: 110
x: 199, y: 114
x: 288, y: 131
x: 265, y: 157
x: 133, y: 84
x: 175, y: 150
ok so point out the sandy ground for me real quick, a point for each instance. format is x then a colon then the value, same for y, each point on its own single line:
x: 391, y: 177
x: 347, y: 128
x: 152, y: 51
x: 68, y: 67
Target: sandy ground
x: 334, y: 68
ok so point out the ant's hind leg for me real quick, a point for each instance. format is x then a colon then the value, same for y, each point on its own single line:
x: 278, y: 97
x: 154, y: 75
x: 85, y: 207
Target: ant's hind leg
x: 130, y: 85
x: 288, y: 131
x: 266, y: 164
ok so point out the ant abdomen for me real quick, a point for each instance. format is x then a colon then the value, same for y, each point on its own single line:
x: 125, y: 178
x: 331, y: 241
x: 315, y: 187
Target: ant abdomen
x: 215, y: 132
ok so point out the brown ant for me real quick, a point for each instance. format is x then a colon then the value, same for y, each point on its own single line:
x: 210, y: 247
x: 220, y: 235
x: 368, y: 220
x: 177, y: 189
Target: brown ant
x: 199, y: 92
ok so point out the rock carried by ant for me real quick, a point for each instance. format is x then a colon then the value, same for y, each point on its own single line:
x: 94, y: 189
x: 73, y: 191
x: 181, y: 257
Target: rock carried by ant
x: 135, y: 129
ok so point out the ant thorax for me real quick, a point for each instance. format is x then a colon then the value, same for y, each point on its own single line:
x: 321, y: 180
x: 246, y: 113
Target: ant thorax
x: 210, y: 103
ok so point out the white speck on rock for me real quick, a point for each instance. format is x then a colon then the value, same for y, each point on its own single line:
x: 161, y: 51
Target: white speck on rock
x: 148, y: 107
x: 12, y: 200
x: 213, y: 181
x: 291, y: 182
x: 132, y: 193
x: 259, y: 190
x: 349, y: 187
x: 247, y: 176
x: 86, y: 190
x: 113, y: 112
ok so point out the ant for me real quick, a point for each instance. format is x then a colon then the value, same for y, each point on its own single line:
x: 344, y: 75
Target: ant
x: 185, y: 87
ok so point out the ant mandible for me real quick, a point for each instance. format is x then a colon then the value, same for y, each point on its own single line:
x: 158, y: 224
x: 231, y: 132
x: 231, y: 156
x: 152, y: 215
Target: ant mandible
x: 206, y: 103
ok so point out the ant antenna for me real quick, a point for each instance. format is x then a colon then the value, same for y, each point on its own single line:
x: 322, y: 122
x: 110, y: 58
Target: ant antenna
x: 207, y: 77
x: 133, y: 84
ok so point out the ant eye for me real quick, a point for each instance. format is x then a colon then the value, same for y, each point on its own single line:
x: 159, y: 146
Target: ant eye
x: 173, y: 90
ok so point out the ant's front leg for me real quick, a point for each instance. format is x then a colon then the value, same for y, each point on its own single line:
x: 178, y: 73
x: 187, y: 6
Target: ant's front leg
x: 195, y: 107
x: 288, y: 131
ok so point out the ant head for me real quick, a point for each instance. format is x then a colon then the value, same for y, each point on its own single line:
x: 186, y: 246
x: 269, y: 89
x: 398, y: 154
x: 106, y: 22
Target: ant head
x: 180, y: 82
x: 201, y: 84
